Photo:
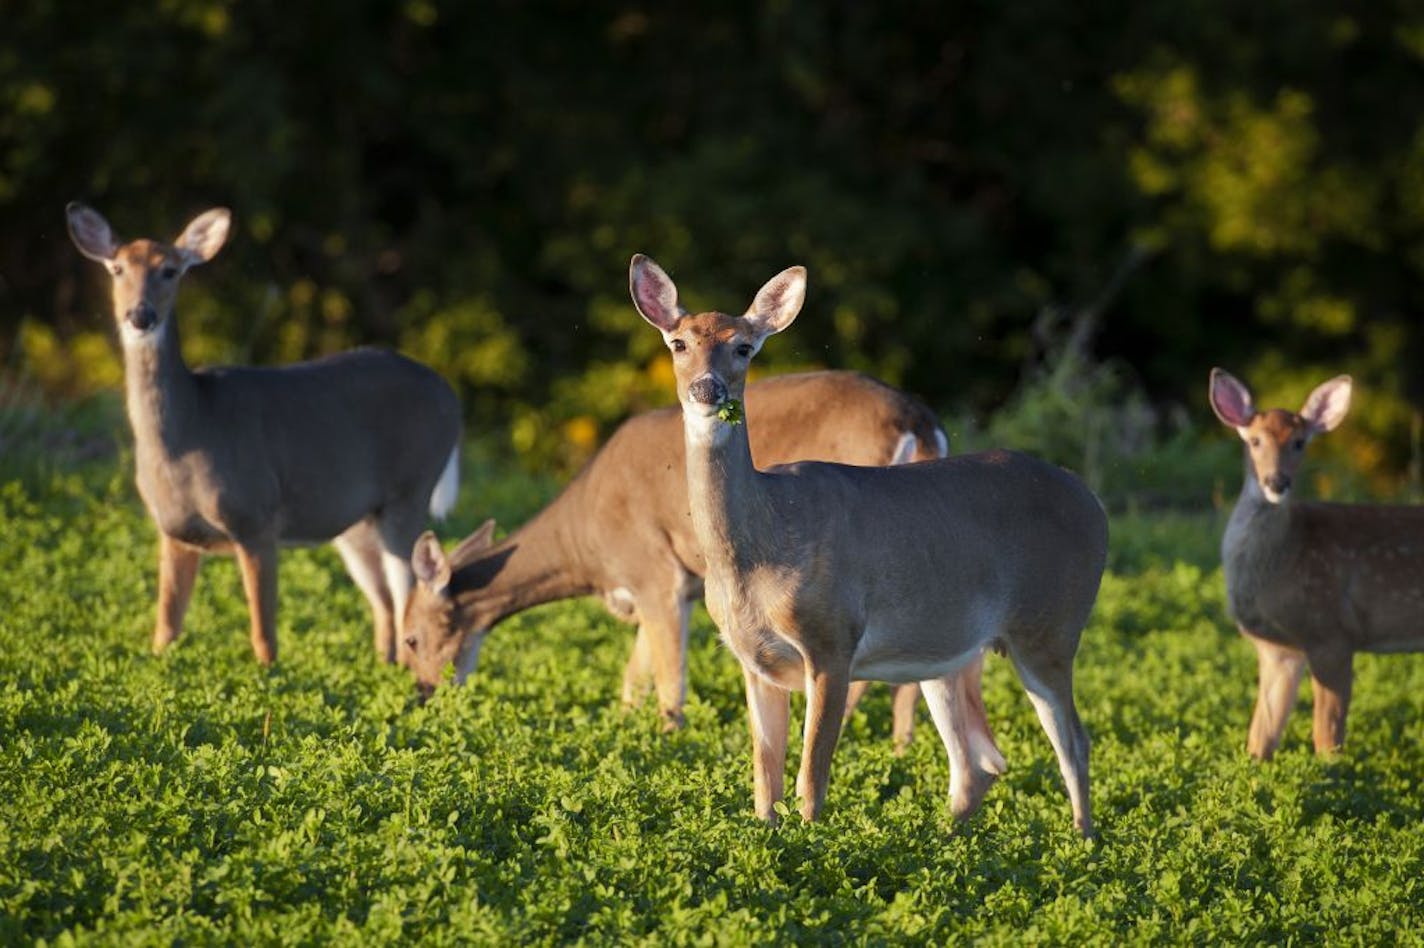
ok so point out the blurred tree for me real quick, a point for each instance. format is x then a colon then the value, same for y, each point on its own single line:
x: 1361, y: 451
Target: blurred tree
x: 468, y: 181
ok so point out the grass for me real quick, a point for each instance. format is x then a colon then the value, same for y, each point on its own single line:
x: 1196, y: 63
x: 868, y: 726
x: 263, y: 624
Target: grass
x: 194, y: 797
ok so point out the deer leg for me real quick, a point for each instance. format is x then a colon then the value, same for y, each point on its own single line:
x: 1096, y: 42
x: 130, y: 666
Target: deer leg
x: 907, y: 698
x: 664, y: 624
x: 360, y: 551
x: 1049, y: 682
x: 258, y: 564
x: 1279, y: 670
x: 826, y: 690
x: 1331, y: 676
x: 974, y: 759
x: 638, y: 673
x: 853, y: 696
x: 398, y: 530
x: 177, y: 571
x: 769, y: 714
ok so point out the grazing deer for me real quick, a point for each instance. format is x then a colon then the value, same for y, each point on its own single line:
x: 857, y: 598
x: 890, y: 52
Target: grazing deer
x: 819, y: 573
x: 621, y: 530
x: 239, y: 460
x: 1310, y: 584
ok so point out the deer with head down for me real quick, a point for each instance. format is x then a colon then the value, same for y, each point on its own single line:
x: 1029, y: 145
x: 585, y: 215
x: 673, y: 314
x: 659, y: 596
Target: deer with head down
x: 819, y: 574
x: 352, y: 448
x: 1311, y: 584
x: 621, y: 530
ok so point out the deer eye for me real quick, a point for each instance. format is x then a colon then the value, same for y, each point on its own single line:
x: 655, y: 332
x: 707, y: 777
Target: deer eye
x: 678, y: 345
x: 168, y: 272
x: 1299, y: 444
x: 1255, y: 441
x: 117, y: 270
x: 744, y: 350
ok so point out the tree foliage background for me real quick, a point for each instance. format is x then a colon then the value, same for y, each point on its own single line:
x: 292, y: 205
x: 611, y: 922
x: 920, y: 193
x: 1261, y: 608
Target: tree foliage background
x: 1166, y: 185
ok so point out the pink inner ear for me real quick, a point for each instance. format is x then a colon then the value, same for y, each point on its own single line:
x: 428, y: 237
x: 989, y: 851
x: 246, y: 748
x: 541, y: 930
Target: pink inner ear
x: 1231, y: 401
x: 656, y: 299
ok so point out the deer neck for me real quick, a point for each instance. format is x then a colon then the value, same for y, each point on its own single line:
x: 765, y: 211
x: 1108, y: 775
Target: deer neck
x: 726, y: 496
x: 160, y: 388
x: 1255, y: 537
x: 543, y: 561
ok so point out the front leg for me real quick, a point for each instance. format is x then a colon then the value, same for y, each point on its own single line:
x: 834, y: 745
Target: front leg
x: 1331, y: 677
x: 1280, y: 668
x: 826, y: 691
x: 177, y: 571
x: 769, y: 714
x: 258, y: 563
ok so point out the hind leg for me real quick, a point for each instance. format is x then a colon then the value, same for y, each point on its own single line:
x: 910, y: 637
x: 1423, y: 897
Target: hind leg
x: 907, y: 698
x: 974, y: 759
x: 1049, y: 682
x: 360, y: 549
x: 397, y: 529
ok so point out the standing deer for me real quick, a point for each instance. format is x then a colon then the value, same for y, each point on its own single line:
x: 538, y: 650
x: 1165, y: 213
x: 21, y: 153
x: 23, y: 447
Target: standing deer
x: 350, y: 448
x: 819, y: 573
x: 621, y: 530
x: 1310, y: 584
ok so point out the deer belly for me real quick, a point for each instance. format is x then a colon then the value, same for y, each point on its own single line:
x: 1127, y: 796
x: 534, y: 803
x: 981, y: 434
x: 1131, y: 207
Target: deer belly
x: 883, y: 656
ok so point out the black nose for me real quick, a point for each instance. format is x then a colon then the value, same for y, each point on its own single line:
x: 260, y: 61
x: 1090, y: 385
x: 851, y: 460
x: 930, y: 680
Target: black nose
x: 1280, y: 483
x: 707, y: 390
x: 142, y: 317
x: 424, y: 691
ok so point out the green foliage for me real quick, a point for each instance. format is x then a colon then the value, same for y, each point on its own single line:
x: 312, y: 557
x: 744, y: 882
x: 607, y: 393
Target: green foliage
x: 194, y: 797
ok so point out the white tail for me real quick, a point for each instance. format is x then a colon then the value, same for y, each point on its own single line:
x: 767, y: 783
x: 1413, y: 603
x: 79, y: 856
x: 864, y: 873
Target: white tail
x: 620, y: 530
x: 818, y: 574
x: 349, y: 448
x: 1310, y: 584
x: 447, y: 489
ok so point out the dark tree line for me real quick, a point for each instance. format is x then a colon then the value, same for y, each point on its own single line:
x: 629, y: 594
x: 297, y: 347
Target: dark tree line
x: 468, y: 180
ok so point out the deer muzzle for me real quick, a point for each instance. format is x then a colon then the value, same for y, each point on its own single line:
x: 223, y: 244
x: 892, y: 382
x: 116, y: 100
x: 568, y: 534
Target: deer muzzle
x: 142, y: 317
x: 708, y: 390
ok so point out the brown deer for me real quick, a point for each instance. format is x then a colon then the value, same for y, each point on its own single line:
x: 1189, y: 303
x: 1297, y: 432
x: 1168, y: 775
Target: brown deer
x: 351, y: 448
x: 1310, y: 584
x: 818, y: 574
x: 621, y: 530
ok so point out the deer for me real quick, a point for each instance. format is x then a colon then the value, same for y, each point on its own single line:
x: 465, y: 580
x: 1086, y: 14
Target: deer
x: 1309, y: 584
x: 621, y: 530
x: 819, y: 573
x: 352, y: 448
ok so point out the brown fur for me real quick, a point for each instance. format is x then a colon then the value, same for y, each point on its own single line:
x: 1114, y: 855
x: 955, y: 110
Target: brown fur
x: 240, y: 460
x: 1310, y: 584
x: 623, y: 524
x: 820, y: 573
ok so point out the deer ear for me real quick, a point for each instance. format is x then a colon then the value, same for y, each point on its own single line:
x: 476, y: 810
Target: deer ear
x: 429, y: 563
x: 654, y: 293
x: 1327, y: 405
x: 1231, y: 399
x: 90, y: 232
x: 476, y: 542
x: 204, y: 236
x: 777, y: 303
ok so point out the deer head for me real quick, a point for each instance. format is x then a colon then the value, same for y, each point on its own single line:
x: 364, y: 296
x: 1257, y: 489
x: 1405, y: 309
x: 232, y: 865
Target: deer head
x: 145, y: 273
x: 1275, y: 439
x: 712, y: 351
x: 438, y: 629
